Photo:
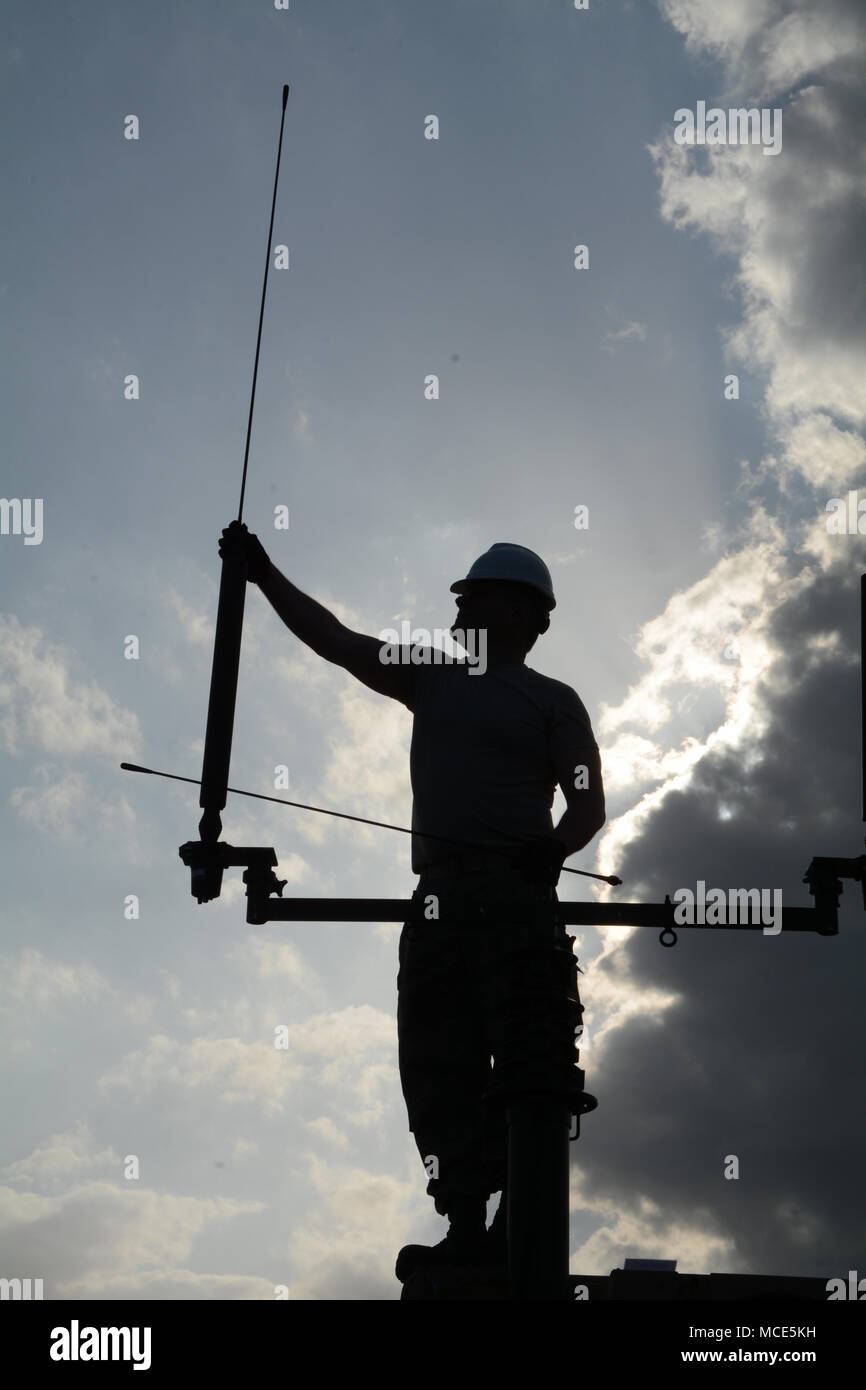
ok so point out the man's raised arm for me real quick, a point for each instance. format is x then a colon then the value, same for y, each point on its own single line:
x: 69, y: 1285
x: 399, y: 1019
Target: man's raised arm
x: 320, y: 629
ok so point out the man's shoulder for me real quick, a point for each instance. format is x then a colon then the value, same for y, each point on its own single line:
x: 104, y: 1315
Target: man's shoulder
x: 561, y: 699
x: 554, y: 689
x: 431, y: 667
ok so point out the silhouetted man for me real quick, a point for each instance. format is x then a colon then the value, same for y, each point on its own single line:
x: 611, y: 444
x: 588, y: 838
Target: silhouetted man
x: 491, y: 739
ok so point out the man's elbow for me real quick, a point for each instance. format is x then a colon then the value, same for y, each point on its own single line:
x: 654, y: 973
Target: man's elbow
x: 593, y: 811
x: 596, y: 823
x: 581, y: 824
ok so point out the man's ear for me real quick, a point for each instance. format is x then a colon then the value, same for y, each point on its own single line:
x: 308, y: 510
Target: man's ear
x: 540, y: 618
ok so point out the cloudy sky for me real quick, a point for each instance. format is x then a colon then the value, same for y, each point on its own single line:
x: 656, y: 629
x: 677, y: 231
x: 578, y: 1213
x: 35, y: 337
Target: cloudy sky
x: 707, y: 617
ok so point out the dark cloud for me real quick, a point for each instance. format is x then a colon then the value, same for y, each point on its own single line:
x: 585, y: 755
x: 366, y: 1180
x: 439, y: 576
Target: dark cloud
x: 763, y: 1055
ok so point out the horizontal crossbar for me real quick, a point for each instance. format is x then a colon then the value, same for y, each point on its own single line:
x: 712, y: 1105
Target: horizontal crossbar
x: 659, y: 915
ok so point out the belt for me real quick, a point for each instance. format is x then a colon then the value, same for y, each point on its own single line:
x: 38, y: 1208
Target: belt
x: 475, y: 861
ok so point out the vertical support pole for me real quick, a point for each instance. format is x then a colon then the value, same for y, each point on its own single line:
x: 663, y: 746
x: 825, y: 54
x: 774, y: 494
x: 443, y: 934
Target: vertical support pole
x: 541, y: 1088
x: 223, y: 693
x: 537, y: 1217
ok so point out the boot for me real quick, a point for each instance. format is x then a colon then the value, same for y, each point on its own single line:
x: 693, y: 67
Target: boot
x: 465, y: 1245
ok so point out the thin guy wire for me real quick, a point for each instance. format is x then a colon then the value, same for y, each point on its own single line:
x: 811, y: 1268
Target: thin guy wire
x: 343, y: 815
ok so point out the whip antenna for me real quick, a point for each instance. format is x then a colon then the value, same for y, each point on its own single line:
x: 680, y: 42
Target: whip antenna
x: 230, y: 617
x: 262, y: 310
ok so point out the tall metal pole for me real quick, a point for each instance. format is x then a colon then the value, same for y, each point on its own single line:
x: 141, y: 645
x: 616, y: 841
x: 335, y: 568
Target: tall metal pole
x: 230, y: 618
x: 540, y: 1088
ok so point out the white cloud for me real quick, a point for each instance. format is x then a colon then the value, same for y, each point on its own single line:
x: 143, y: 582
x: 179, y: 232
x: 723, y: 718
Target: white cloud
x: 42, y: 705
x: 775, y: 599
x: 794, y: 223
x: 237, y: 1072
x: 793, y: 229
x: 685, y: 646
x: 611, y: 1000
x: 101, y: 1234
x: 281, y: 959
x: 350, y: 1240
x: 630, y: 331
x: 348, y: 1032
x: 196, y: 625
x: 61, y: 1159
x: 65, y: 806
x: 324, y: 1128
x: 724, y: 29
x: 92, y: 1237
x: 33, y: 981
x: 169, y: 1285
x: 831, y: 458
x: 643, y: 1231
x: 810, y: 41
x: 348, y: 1053
x: 368, y: 770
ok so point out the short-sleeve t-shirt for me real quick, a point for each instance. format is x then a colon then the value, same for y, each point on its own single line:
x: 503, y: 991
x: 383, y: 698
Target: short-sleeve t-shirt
x: 487, y: 753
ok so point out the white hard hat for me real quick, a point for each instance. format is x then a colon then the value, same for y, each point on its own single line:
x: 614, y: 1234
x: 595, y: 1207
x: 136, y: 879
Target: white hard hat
x: 508, y: 561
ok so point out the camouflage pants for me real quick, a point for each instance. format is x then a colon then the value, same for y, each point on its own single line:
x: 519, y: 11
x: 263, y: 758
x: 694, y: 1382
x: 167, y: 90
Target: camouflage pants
x: 451, y: 986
